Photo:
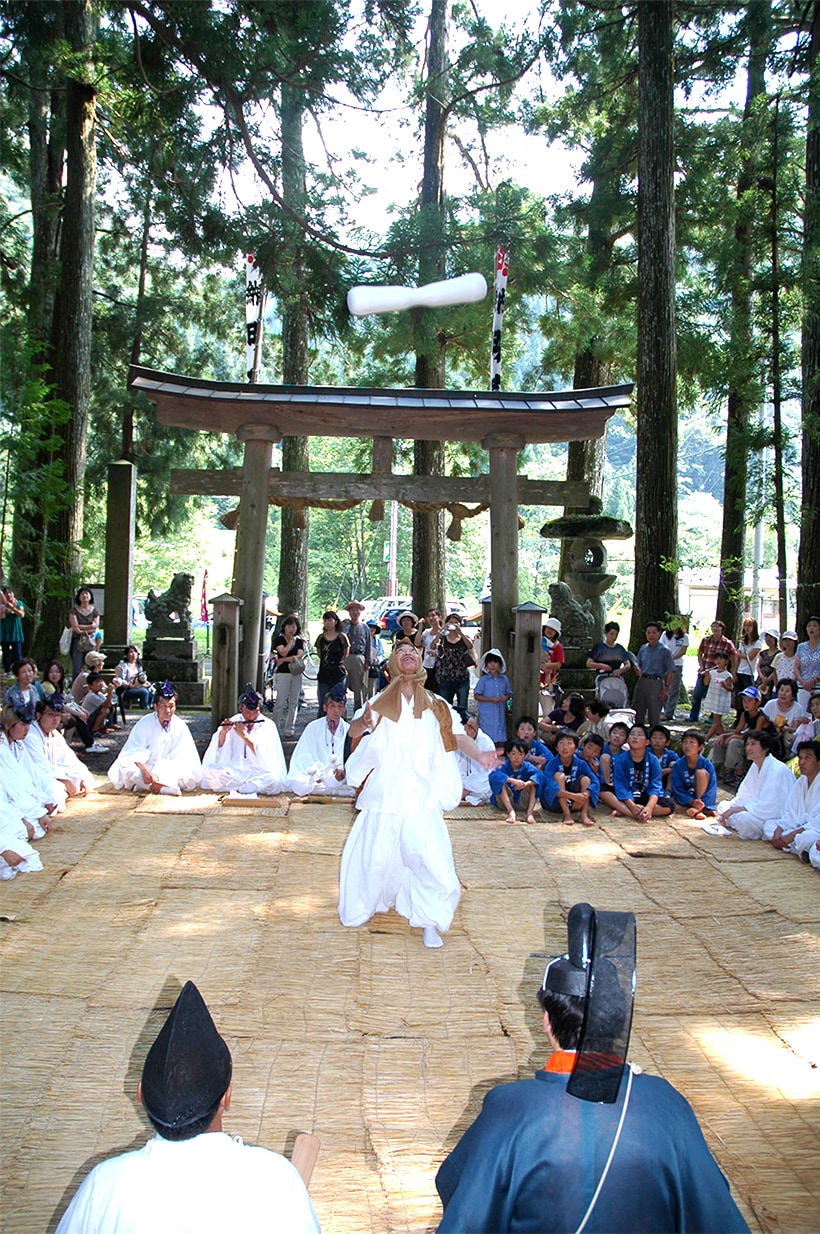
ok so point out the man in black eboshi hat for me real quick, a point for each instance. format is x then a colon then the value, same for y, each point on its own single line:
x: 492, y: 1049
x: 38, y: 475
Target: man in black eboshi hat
x: 590, y: 1143
x: 191, y: 1178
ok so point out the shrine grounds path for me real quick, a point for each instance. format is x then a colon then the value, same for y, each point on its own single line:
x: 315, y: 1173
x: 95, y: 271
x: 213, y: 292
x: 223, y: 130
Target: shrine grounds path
x: 382, y: 1049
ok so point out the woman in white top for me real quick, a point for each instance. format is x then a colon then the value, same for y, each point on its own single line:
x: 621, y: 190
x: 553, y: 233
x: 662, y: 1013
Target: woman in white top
x: 676, y: 640
x: 749, y: 646
x: 785, y: 713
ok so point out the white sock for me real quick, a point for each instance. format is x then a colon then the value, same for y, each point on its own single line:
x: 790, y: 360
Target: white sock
x: 432, y: 938
x: 170, y: 790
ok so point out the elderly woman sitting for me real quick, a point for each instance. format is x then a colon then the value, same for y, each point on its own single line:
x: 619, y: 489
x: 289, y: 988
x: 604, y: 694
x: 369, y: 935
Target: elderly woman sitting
x: 26, y: 690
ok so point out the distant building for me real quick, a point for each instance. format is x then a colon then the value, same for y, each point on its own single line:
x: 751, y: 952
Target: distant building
x: 698, y: 590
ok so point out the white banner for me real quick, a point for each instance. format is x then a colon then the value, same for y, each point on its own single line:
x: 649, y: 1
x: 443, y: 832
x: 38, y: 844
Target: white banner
x: 502, y: 259
x: 254, y: 308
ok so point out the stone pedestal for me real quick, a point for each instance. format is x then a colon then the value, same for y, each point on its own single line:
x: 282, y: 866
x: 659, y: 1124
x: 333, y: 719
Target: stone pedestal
x: 166, y: 657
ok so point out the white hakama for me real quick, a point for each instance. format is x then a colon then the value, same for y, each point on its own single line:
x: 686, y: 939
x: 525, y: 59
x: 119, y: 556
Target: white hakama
x: 398, y: 853
x: 52, y: 753
x: 801, y: 809
x: 761, y: 794
x: 318, y: 755
x: 169, y: 754
x: 14, y: 839
x: 235, y: 767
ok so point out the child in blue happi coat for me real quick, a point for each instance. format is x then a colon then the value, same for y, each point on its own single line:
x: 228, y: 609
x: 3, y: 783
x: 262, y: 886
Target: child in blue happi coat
x: 516, y: 780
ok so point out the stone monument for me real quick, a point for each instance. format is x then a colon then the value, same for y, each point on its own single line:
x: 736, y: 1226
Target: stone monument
x: 169, y: 649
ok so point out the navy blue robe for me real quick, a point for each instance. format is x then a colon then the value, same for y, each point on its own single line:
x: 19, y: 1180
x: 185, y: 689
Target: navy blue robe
x: 532, y: 1160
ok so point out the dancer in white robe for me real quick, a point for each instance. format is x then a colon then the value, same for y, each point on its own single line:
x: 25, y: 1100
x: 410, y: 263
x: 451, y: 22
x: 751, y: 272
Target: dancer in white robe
x: 245, y: 754
x: 398, y: 853
x: 761, y: 794
x: 159, y: 755
x: 475, y: 779
x: 29, y: 793
x: 16, y: 854
x: 52, y: 753
x: 317, y: 764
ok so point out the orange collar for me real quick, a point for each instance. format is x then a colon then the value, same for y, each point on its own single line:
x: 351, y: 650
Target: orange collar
x: 562, y: 1061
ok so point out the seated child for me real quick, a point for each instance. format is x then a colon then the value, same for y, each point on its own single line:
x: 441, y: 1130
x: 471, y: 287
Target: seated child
x: 539, y: 753
x: 618, y: 735
x: 569, y: 782
x: 516, y: 780
x: 693, y: 779
x: 592, y: 747
x: 595, y: 715
x: 636, y: 779
x: 659, y: 738
x: 491, y: 693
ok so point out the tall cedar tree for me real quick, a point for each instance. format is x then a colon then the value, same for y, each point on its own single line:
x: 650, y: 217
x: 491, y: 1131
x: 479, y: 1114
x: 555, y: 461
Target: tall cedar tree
x: 808, y: 566
x: 656, y: 519
x: 427, y: 581
x: 744, y: 389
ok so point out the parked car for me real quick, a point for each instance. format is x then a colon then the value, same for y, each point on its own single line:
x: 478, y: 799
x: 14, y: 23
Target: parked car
x: 389, y: 620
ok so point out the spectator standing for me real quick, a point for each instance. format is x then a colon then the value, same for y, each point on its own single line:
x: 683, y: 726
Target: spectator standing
x: 765, y: 671
x: 358, y: 636
x: 288, y: 650
x: 807, y: 663
x: 425, y: 639
x: 332, y: 647
x: 492, y: 692
x: 12, y: 612
x: 656, y: 673
x: 744, y: 667
x: 716, y: 641
x: 84, y: 620
x: 676, y: 641
x: 785, y: 661
x: 455, y: 655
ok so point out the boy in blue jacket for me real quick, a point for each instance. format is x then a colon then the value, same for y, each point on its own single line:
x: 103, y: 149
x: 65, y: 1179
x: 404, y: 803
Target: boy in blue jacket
x: 516, y: 781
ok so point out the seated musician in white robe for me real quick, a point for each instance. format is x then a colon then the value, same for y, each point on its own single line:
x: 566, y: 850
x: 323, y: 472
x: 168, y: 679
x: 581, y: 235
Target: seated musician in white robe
x: 159, y: 755
x: 762, y: 791
x: 317, y: 763
x: 475, y: 778
x: 31, y: 794
x: 800, y: 818
x: 52, y: 753
x: 245, y: 755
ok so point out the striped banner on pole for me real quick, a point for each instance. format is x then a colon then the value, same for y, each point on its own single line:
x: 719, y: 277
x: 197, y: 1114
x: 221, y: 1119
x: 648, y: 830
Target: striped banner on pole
x: 254, y: 308
x: 502, y: 265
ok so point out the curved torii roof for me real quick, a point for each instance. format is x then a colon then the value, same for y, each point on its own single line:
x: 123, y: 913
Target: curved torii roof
x: 417, y: 414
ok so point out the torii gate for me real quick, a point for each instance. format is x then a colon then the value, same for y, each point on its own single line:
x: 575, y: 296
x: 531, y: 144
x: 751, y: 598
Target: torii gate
x: 260, y: 415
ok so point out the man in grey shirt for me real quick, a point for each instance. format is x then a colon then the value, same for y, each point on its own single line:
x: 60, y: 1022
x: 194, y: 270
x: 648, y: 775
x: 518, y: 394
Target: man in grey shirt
x: 356, y: 662
x: 656, y: 673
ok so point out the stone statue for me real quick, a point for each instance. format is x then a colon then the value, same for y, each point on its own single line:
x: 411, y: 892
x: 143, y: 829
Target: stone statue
x: 170, y: 612
x: 577, y: 620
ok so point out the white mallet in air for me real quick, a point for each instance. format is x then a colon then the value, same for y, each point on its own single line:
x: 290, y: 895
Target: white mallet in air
x: 464, y: 290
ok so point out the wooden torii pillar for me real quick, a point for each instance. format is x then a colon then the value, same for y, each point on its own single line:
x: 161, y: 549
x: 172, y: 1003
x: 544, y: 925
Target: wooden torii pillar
x: 503, y: 421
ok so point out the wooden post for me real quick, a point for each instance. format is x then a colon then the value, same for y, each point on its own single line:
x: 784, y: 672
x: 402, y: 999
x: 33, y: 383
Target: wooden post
x: 226, y: 685
x: 119, y: 555
x: 503, y: 448
x: 527, y: 658
x: 249, y: 559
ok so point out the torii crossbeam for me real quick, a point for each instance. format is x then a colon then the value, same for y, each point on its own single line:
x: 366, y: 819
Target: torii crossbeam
x: 260, y: 415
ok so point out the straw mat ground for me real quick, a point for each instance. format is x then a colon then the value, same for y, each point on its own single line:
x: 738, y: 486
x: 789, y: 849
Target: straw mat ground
x: 381, y: 1048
